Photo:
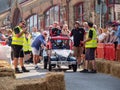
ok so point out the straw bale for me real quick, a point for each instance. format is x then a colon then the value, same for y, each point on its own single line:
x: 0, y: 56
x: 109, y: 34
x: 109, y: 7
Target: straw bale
x: 108, y: 67
x: 55, y: 81
x: 100, y: 66
x: 4, y: 61
x: 3, y: 74
x: 103, y: 66
x: 6, y: 83
x: 115, y: 69
x: 52, y: 81
x: 118, y: 54
x: 5, y: 69
x: 32, y: 84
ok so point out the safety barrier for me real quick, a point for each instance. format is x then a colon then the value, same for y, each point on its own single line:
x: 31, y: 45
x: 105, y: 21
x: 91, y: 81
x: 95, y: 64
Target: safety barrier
x: 100, y: 50
x: 108, y: 52
x: 118, y: 53
x: 2, y: 43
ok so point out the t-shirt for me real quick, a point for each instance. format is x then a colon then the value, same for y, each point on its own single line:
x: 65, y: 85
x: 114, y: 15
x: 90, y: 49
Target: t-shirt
x: 38, y: 41
x: 78, y: 35
x: 90, y: 34
x: 101, y: 36
x: 56, y: 32
x: 16, y: 30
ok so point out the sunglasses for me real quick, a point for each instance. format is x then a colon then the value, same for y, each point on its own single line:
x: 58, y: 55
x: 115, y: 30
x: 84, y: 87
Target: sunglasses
x: 45, y: 34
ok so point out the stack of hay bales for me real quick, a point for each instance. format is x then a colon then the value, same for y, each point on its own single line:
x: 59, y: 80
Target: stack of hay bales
x: 5, y: 69
x: 52, y: 81
x: 109, y: 67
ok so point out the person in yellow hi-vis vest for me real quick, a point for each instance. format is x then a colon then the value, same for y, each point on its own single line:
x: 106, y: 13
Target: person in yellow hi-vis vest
x: 27, y: 48
x: 90, y: 46
x: 17, y: 46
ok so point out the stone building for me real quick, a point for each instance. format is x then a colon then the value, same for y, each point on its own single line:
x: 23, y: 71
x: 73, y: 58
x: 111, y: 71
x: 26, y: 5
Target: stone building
x: 42, y: 13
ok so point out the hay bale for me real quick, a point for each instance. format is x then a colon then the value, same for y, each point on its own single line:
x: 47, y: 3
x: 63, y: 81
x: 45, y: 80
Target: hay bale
x: 115, y: 69
x: 55, y: 81
x: 4, y: 63
x: 108, y: 67
x: 31, y: 84
x: 6, y: 83
x: 100, y: 66
x: 6, y: 70
x: 103, y: 66
x: 52, y: 81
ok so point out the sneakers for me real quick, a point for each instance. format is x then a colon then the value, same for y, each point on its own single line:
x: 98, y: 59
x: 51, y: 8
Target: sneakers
x: 24, y: 69
x: 37, y: 68
x: 84, y: 71
x: 27, y: 62
x: 93, y: 71
x: 17, y: 71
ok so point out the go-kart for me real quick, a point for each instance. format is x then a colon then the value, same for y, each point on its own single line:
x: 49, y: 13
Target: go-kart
x: 61, y: 54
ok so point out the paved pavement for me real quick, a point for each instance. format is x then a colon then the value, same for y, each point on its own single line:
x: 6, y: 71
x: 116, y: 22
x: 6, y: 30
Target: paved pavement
x: 78, y: 81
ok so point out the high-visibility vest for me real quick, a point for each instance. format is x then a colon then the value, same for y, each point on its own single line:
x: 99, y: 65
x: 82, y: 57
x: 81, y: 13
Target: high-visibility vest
x: 27, y: 45
x: 92, y: 43
x: 18, y: 40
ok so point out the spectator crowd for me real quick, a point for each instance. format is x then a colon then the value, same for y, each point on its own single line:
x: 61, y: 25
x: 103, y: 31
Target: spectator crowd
x: 85, y: 36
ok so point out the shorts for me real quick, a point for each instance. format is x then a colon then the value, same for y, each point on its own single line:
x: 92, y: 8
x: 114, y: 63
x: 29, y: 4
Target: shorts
x: 83, y: 50
x: 35, y: 51
x: 41, y: 52
x: 17, y: 51
x: 27, y: 52
x: 78, y: 51
x: 90, y: 53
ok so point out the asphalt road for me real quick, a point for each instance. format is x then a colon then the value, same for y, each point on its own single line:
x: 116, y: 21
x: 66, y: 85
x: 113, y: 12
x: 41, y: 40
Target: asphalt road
x: 78, y: 81
x: 82, y: 81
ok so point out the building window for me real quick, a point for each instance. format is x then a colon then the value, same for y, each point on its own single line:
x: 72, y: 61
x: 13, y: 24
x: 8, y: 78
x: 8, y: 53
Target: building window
x: 51, y: 15
x: 114, y: 1
x: 79, y: 12
x: 117, y: 1
x: 111, y: 1
x: 33, y: 21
